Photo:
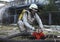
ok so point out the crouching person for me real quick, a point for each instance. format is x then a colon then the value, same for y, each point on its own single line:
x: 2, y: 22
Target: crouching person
x: 29, y: 19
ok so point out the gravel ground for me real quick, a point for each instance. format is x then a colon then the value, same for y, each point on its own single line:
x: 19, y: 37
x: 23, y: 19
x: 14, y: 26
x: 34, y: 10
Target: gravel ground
x: 8, y: 30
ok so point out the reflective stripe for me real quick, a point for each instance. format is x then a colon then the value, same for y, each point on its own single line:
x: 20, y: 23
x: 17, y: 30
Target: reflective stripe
x: 21, y: 15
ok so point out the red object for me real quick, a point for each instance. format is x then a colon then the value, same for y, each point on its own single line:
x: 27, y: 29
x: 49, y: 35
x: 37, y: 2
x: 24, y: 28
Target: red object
x: 38, y: 35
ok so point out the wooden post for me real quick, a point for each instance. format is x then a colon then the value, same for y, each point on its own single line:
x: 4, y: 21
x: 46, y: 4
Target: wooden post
x: 50, y: 20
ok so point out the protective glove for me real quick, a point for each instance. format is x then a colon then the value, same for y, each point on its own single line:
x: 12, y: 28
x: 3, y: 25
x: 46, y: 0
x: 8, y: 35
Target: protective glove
x: 33, y: 28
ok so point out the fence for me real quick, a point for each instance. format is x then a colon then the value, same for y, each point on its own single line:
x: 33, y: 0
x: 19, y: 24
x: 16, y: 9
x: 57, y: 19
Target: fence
x: 10, y: 19
x: 52, y: 19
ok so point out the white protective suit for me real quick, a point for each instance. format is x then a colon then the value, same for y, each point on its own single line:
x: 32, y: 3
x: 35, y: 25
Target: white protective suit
x: 27, y: 22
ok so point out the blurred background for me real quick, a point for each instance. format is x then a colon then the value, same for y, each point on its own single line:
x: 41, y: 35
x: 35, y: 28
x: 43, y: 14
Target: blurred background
x: 49, y: 12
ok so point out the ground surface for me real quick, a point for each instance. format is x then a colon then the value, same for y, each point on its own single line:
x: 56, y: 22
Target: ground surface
x: 9, y: 30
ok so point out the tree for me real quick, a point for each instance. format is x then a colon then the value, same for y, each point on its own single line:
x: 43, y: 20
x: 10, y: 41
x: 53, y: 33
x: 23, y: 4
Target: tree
x: 49, y: 8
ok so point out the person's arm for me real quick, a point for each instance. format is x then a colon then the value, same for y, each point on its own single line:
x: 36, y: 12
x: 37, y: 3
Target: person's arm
x: 26, y: 23
x: 39, y: 21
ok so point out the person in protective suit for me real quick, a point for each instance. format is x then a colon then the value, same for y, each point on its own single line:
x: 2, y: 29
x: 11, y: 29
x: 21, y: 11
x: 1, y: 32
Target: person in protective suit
x: 29, y: 19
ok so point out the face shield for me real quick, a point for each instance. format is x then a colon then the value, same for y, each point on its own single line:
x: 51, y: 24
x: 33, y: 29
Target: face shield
x: 34, y: 9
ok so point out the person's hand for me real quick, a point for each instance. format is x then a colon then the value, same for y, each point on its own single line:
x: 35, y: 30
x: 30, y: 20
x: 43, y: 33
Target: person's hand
x: 33, y: 28
x: 38, y: 30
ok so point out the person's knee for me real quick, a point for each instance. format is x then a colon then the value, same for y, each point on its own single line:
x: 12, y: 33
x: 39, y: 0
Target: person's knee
x: 20, y: 23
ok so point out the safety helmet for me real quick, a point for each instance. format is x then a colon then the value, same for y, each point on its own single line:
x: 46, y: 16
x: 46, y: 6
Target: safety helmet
x: 33, y: 6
